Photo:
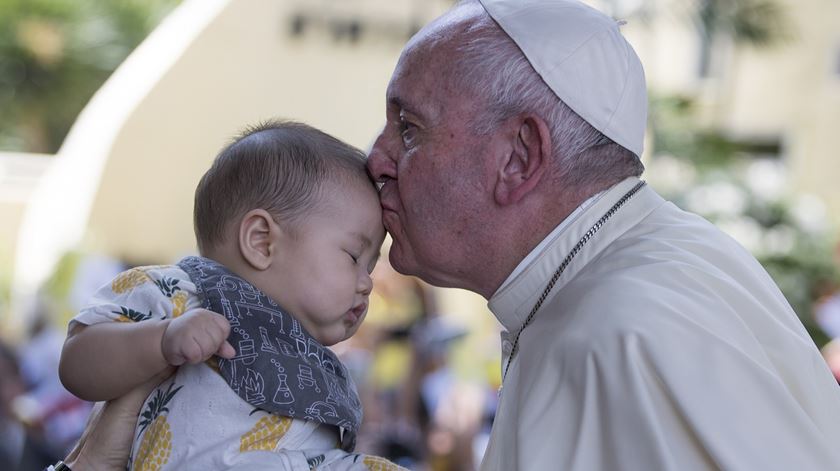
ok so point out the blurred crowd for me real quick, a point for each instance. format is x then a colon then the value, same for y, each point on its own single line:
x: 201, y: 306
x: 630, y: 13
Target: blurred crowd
x: 39, y: 420
x: 419, y: 411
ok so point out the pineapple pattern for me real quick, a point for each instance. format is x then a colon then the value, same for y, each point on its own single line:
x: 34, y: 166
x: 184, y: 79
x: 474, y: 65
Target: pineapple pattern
x: 127, y: 280
x: 156, y: 444
x: 126, y: 314
x: 175, y: 430
x: 375, y: 463
x: 266, y: 433
x: 126, y: 283
x: 168, y: 286
x: 179, y: 303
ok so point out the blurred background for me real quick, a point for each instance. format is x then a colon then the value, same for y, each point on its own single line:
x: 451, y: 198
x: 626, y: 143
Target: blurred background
x: 110, y: 111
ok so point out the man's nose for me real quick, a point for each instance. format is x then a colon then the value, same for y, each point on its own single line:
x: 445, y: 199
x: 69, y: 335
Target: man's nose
x: 379, y: 164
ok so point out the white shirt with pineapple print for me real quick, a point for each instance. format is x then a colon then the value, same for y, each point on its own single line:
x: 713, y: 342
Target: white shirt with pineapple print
x: 194, y: 420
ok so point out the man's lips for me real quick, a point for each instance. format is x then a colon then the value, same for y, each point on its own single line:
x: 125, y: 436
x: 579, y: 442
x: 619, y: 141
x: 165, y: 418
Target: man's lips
x: 390, y: 217
x: 386, y: 206
x: 388, y: 198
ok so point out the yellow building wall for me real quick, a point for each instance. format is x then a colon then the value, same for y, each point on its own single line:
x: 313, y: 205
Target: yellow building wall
x: 124, y: 179
x: 245, y: 64
x: 793, y: 90
x: 788, y: 91
x: 243, y: 68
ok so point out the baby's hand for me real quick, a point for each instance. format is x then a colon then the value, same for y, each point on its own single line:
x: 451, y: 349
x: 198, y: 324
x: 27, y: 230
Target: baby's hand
x: 195, y: 336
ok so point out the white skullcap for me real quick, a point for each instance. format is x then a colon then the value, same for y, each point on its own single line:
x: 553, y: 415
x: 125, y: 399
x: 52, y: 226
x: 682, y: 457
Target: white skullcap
x: 582, y: 56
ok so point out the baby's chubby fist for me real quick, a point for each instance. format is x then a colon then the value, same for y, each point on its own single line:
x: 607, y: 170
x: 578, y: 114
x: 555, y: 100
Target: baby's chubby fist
x: 195, y: 336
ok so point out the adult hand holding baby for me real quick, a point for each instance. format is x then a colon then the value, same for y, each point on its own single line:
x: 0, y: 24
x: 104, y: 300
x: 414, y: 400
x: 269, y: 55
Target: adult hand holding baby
x: 106, y: 441
x: 195, y: 336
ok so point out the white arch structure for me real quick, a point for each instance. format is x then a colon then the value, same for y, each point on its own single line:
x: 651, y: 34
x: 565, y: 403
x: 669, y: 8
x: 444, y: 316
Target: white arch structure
x: 123, y: 180
x: 57, y: 214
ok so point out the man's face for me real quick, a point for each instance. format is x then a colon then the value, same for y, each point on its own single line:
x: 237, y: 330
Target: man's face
x: 435, y: 181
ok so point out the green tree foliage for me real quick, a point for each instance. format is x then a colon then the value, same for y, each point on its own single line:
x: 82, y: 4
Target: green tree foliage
x: 744, y: 192
x: 755, y: 22
x: 739, y: 185
x: 54, y: 54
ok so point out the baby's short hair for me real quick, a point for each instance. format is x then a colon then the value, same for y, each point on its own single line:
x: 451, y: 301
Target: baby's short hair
x: 279, y: 166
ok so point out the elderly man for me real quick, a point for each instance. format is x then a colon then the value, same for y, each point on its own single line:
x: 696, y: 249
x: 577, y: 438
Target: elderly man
x: 637, y: 336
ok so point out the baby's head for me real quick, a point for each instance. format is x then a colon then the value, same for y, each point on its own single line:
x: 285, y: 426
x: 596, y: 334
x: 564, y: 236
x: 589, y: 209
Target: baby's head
x: 293, y: 211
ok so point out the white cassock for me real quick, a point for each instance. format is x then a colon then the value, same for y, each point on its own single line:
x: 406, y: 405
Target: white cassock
x: 663, y: 345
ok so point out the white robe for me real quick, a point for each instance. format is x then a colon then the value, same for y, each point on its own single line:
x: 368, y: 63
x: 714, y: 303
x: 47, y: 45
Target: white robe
x: 664, y: 345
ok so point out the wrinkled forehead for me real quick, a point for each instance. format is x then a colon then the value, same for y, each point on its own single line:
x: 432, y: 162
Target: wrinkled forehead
x: 430, y: 58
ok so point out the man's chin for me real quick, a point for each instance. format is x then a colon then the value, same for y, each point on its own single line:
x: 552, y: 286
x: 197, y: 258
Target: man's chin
x: 399, y: 261
x: 409, y: 265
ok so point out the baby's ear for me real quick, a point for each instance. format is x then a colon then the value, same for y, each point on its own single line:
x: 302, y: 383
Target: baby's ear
x: 257, y: 233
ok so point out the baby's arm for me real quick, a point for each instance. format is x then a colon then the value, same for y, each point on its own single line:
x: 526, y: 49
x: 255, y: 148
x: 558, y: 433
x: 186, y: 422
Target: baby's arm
x: 104, y: 361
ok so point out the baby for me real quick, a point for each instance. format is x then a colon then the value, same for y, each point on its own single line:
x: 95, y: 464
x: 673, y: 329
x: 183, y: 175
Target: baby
x: 288, y: 226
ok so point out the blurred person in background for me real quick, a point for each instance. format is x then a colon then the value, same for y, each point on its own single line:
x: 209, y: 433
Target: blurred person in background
x: 397, y: 303
x: 21, y: 444
x: 59, y: 414
x: 419, y: 413
x: 105, y: 444
x: 831, y: 353
x: 446, y: 409
x: 638, y: 336
x: 827, y: 303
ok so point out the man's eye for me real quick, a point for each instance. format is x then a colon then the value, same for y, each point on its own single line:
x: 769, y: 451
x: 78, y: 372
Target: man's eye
x: 407, y: 131
x: 353, y: 257
x: 404, y: 125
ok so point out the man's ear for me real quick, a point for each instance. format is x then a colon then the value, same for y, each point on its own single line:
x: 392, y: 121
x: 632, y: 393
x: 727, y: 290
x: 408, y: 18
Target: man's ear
x: 257, y: 238
x: 528, y: 159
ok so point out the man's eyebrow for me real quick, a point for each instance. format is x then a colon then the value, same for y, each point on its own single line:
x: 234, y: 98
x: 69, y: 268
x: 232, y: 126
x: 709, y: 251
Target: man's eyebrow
x: 402, y: 105
x: 396, y: 102
x: 421, y: 113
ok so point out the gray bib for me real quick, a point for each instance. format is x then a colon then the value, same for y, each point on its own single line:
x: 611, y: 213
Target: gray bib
x: 278, y: 366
